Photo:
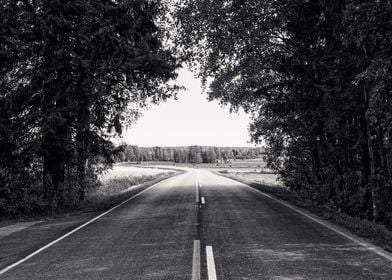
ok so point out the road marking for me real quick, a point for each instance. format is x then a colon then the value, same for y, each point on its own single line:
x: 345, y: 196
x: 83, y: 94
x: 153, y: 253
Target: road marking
x: 377, y: 250
x: 4, y: 270
x: 196, y: 260
x: 203, y: 201
x: 197, y: 190
x: 210, y: 263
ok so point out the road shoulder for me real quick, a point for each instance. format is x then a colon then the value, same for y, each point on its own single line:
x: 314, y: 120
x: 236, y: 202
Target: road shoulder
x: 374, y: 236
x: 36, y: 234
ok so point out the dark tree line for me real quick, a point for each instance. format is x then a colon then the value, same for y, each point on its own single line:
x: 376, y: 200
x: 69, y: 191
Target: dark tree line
x: 316, y: 76
x: 191, y: 154
x: 69, y: 73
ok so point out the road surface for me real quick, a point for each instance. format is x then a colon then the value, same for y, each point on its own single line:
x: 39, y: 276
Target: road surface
x: 199, y: 225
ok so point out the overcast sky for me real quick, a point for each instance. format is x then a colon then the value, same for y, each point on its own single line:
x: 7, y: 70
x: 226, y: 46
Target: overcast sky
x: 189, y: 120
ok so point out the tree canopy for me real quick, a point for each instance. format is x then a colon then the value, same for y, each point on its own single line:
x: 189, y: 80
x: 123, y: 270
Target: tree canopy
x: 315, y: 75
x: 72, y: 74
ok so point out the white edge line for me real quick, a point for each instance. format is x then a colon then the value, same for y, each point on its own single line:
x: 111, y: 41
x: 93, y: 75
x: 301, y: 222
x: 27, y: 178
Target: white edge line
x: 210, y: 263
x: 375, y: 249
x: 196, y: 260
x: 4, y: 270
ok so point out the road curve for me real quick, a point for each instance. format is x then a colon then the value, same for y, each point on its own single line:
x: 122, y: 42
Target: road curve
x: 240, y: 233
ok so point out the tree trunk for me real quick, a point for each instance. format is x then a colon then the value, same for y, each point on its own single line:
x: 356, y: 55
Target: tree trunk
x: 55, y: 131
x: 81, y: 163
x: 383, y: 154
x: 373, y: 179
x: 82, y: 141
x: 54, y: 166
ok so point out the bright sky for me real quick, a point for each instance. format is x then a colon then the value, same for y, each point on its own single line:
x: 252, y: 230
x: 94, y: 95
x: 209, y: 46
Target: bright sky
x: 189, y: 120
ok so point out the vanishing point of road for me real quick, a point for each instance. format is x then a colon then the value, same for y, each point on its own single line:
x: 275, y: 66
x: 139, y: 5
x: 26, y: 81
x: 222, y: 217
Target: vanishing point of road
x: 199, y: 225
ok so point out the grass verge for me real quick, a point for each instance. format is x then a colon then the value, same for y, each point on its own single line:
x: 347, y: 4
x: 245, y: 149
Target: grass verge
x: 116, y: 190
x: 102, y: 198
x: 376, y: 234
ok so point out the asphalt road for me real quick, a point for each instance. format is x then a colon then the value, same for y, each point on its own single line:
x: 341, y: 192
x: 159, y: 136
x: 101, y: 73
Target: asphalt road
x: 221, y: 230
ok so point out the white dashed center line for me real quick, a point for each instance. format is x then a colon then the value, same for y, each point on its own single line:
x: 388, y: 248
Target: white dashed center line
x: 196, y: 260
x: 197, y: 190
x: 210, y: 264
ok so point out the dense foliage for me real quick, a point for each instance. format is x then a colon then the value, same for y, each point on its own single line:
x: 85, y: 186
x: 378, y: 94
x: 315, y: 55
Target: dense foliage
x: 316, y: 76
x: 192, y: 154
x: 71, y: 74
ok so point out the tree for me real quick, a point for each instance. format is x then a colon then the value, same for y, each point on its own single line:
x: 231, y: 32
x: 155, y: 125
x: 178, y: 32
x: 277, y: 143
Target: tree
x: 195, y: 154
x: 315, y: 75
x: 210, y: 155
x: 76, y: 67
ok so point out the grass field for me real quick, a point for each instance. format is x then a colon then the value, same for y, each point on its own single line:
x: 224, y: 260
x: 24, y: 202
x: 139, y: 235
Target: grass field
x: 121, y: 181
x: 249, y: 164
x: 130, y: 170
x: 252, y: 170
x: 252, y: 177
x: 115, y: 186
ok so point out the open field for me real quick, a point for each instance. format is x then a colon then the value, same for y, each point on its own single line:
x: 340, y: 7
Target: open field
x: 253, y: 177
x: 250, y: 170
x: 123, y: 178
x: 116, y: 188
x: 115, y: 185
x: 247, y: 164
x: 129, y: 170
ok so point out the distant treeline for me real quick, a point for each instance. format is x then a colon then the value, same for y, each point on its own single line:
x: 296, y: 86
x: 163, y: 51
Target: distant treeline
x: 191, y: 154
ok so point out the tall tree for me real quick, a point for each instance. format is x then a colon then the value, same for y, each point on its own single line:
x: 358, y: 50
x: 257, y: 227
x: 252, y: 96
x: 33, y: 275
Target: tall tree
x: 315, y: 76
x: 71, y: 72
